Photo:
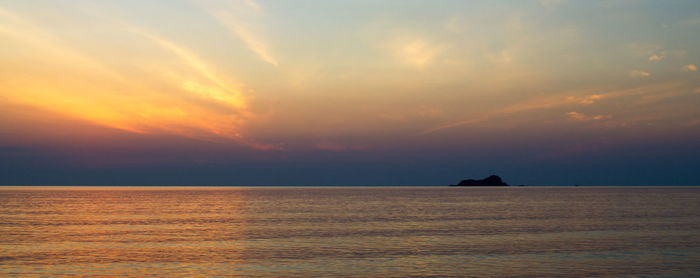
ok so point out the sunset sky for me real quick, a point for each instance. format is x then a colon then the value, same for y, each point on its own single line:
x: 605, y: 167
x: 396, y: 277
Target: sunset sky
x: 198, y: 92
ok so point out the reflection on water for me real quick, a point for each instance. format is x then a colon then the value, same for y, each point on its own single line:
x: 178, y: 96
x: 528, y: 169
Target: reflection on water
x: 359, y: 232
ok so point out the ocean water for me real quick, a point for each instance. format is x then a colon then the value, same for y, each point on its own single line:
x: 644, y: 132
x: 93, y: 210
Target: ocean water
x: 350, y: 232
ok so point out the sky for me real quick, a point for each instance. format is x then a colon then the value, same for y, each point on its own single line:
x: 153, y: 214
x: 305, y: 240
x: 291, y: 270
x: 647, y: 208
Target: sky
x: 251, y: 92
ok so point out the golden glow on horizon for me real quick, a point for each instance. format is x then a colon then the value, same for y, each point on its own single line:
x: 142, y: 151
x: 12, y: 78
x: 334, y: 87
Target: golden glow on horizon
x: 188, y: 98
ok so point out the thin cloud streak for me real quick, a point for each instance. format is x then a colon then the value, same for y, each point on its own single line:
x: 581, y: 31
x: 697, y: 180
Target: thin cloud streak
x: 226, y: 16
x: 222, y: 91
x: 639, y: 74
x: 583, y: 117
x: 555, y: 102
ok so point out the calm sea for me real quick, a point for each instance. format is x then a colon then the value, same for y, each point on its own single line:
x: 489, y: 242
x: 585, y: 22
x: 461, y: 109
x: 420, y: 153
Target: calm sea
x: 350, y: 232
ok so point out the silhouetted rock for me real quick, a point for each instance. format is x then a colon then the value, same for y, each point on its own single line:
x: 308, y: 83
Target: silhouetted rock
x: 492, y: 180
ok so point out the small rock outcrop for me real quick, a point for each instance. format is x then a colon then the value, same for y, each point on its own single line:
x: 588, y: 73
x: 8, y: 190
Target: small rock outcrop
x: 492, y: 180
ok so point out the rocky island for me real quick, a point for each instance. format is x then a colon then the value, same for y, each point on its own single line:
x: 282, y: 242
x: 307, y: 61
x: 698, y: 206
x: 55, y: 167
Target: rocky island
x: 492, y: 180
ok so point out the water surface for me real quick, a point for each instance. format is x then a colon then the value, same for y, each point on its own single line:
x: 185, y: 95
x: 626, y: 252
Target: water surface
x: 350, y: 232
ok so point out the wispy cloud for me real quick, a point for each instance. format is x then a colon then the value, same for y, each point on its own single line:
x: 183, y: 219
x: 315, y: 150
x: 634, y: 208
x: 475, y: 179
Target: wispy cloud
x: 583, y: 117
x: 563, y: 100
x: 690, y: 67
x: 230, y: 17
x: 535, y: 104
x: 188, y: 98
x: 221, y: 90
x: 651, y: 52
x: 254, y: 5
x: 417, y: 52
x: 657, y: 57
x: 590, y: 99
x: 16, y: 28
x: 639, y: 74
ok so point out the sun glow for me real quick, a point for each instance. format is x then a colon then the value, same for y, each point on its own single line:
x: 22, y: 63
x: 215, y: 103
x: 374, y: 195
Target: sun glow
x: 176, y: 91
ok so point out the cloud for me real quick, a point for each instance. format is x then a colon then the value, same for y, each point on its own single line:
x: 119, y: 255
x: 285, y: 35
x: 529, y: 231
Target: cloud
x: 218, y: 89
x: 417, y: 53
x: 249, y: 37
x: 657, y: 57
x: 690, y: 67
x: 184, y: 95
x: 639, y: 74
x: 230, y: 17
x: 558, y: 101
x: 212, y: 87
x: 590, y: 99
x: 583, y: 117
x: 16, y: 28
x: 651, y: 52
x: 535, y: 104
x: 254, y: 5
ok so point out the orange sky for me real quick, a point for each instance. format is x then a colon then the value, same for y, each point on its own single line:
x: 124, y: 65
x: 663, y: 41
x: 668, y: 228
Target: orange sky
x: 348, y: 76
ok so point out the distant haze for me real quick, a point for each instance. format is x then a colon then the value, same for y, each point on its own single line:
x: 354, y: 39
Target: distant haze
x: 199, y: 92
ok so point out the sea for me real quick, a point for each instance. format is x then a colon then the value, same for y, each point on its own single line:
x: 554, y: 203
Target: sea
x: 349, y: 232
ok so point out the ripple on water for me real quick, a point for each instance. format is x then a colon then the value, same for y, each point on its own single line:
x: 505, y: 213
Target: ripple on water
x: 352, y: 232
